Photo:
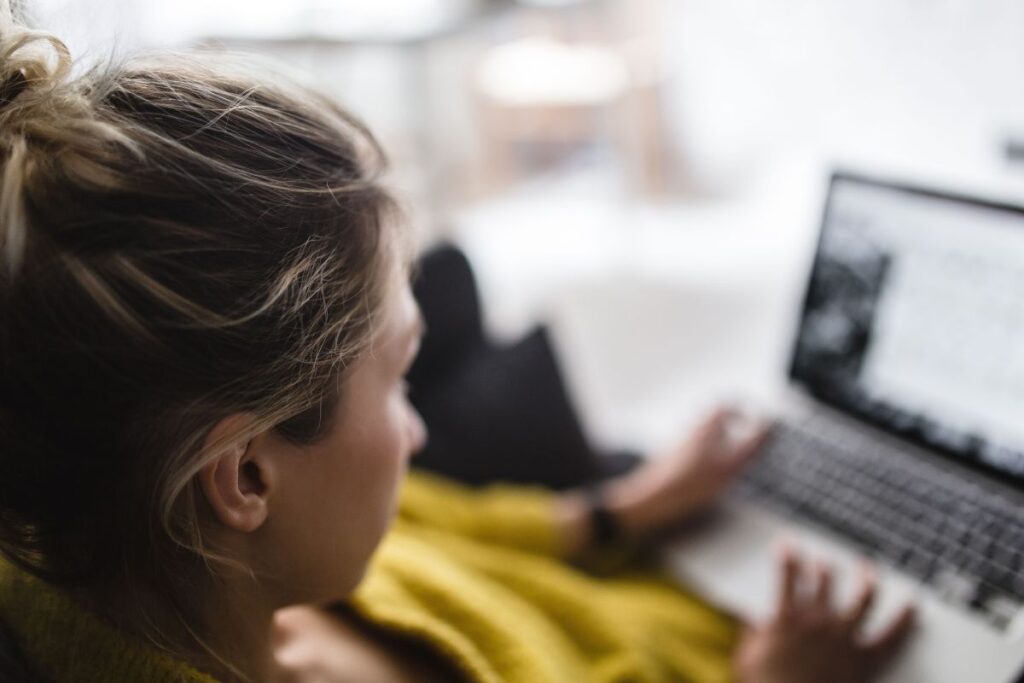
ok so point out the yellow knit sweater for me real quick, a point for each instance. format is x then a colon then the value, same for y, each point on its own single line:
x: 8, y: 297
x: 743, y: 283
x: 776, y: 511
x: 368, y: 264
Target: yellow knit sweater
x: 475, y: 574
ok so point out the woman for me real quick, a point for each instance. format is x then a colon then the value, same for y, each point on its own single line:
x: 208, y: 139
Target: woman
x: 206, y: 319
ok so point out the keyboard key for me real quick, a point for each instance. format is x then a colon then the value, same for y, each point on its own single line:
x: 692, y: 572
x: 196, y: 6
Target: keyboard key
x: 911, y: 514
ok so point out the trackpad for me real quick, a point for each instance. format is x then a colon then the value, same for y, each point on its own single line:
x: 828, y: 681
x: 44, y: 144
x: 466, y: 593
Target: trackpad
x: 731, y: 560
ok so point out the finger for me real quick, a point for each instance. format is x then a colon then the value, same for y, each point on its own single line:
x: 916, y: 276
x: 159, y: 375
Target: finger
x: 822, y: 586
x: 714, y: 425
x: 887, y: 643
x: 865, y: 596
x: 789, y: 581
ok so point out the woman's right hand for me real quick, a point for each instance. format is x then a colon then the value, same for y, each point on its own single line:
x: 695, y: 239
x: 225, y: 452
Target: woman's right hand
x: 809, y: 640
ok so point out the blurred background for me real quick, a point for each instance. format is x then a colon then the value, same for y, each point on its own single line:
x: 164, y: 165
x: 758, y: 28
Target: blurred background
x: 644, y: 176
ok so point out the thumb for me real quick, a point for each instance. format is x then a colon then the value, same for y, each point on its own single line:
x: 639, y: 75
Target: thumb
x: 713, y: 426
x: 751, y: 445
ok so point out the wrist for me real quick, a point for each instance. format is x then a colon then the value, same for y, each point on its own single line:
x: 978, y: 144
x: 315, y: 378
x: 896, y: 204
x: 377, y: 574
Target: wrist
x: 606, y: 529
x: 629, y: 502
x: 626, y: 500
x: 601, y: 514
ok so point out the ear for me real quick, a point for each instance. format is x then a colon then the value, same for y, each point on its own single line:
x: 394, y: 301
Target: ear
x: 233, y: 482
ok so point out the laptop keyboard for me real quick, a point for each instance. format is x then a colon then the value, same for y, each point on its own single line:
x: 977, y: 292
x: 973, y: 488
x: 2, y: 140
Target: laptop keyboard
x: 965, y: 541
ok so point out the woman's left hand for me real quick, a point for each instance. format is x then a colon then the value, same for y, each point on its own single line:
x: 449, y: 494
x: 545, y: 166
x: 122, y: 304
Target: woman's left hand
x: 671, y: 486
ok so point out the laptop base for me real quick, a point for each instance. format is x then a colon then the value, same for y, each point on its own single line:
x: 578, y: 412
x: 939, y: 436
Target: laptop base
x: 731, y: 560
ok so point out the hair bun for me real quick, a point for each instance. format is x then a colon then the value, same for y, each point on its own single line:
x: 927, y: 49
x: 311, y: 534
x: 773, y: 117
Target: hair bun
x: 30, y: 60
x: 33, y: 64
x: 11, y: 87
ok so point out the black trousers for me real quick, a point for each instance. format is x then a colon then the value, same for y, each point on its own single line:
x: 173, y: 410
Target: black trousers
x: 494, y: 413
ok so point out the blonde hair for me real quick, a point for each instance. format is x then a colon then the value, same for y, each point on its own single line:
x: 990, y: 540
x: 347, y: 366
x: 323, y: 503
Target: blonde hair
x: 183, y: 238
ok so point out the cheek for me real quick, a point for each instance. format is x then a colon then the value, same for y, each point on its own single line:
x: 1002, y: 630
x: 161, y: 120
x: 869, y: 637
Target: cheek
x: 386, y: 450
x: 345, y: 505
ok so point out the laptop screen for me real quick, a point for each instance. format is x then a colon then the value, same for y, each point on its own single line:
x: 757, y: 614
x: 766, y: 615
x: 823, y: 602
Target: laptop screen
x: 914, y: 319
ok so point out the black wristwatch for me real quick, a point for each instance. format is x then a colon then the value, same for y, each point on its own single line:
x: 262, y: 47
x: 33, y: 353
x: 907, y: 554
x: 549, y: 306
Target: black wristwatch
x: 604, y: 526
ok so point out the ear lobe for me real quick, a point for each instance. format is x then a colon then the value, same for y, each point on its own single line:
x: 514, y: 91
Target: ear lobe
x: 235, y: 490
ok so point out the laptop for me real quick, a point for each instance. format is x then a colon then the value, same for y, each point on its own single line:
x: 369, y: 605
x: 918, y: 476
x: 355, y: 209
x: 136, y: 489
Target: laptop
x: 901, y: 437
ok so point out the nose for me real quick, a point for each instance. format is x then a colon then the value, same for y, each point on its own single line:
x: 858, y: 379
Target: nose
x: 417, y: 431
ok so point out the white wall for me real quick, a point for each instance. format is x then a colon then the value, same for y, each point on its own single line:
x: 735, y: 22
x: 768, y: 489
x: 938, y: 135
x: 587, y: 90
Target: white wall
x: 921, y: 87
x: 925, y: 88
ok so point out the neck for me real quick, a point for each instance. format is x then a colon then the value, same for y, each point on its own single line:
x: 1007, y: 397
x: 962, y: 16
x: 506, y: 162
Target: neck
x: 236, y: 631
